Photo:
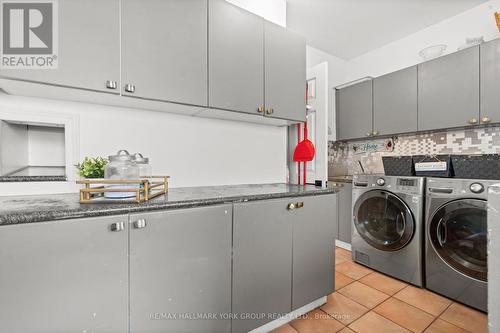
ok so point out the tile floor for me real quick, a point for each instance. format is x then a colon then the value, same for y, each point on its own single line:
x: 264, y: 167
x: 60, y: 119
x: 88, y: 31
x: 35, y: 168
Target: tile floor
x: 367, y: 301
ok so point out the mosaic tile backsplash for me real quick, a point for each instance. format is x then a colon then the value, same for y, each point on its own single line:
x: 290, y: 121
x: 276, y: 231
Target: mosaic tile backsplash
x: 344, y: 158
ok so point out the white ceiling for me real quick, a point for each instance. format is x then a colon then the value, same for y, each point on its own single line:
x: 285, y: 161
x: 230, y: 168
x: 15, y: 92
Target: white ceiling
x: 349, y: 28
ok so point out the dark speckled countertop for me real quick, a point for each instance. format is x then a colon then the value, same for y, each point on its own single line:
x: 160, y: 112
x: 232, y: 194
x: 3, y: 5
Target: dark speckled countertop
x: 35, y: 208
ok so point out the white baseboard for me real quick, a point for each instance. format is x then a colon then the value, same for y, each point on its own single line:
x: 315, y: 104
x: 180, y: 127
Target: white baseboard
x: 343, y: 245
x: 289, y: 317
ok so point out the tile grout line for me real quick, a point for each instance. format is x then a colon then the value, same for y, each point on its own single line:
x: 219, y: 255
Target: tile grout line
x: 449, y: 321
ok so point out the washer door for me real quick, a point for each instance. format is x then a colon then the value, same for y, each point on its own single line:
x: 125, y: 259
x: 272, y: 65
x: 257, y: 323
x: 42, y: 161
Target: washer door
x: 458, y: 233
x: 383, y: 220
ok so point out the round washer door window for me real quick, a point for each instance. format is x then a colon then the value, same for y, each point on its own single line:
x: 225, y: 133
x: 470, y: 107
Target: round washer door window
x: 383, y: 220
x: 458, y: 233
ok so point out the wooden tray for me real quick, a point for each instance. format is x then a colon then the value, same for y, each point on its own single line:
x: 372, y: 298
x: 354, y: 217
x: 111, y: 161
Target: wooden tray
x: 145, y: 189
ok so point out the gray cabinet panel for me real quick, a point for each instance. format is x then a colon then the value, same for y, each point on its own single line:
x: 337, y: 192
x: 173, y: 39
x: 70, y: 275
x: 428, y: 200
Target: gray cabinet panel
x: 262, y: 261
x: 490, y: 81
x: 164, y: 49
x: 236, y: 58
x: 345, y: 212
x: 180, y: 263
x: 448, y: 90
x: 89, y: 47
x: 285, y: 73
x: 66, y: 276
x: 354, y: 111
x: 314, y: 233
x: 395, y: 102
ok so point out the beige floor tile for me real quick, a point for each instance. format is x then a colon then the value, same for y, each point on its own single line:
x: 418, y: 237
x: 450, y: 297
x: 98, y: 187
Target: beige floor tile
x: 466, y: 318
x: 317, y: 321
x: 441, y: 326
x: 405, y: 315
x: 372, y: 322
x: 383, y: 283
x: 424, y: 299
x: 341, y: 280
x: 343, y: 309
x: 284, y: 329
x: 347, y: 330
x: 352, y: 270
x: 340, y: 260
x: 364, y: 295
x: 343, y: 253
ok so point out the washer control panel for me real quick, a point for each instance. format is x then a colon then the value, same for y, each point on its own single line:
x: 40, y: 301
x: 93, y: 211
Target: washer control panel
x: 476, y: 188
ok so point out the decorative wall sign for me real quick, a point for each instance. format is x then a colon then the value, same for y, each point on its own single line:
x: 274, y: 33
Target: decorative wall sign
x: 373, y: 146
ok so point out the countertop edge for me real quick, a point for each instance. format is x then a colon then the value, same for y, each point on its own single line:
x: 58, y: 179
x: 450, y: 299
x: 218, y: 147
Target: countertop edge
x: 10, y: 219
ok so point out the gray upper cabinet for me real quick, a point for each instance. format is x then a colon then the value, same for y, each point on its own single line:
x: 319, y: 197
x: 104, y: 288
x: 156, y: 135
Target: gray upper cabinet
x: 354, y: 109
x: 236, y: 58
x: 448, y: 91
x: 89, y: 51
x: 395, y: 102
x: 285, y: 73
x: 490, y: 82
x: 164, y: 50
x: 262, y: 261
x: 65, y: 276
x: 180, y: 263
x: 314, y: 232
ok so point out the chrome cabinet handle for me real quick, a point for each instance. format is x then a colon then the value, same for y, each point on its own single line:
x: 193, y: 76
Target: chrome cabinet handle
x: 118, y: 226
x: 375, y: 133
x: 295, y: 205
x: 291, y: 206
x: 260, y: 109
x: 139, y: 224
x: 111, y: 84
x: 299, y: 204
x: 129, y: 88
x: 369, y: 134
x: 270, y: 111
x: 472, y: 121
x: 485, y: 120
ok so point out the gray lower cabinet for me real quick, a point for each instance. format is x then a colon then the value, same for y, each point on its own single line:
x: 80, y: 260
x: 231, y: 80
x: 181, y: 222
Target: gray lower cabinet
x: 262, y: 262
x: 490, y: 82
x: 164, y: 50
x: 345, y: 212
x: 285, y: 73
x: 180, y: 264
x: 88, y: 47
x: 395, y: 102
x: 448, y: 91
x: 354, y: 109
x: 314, y: 232
x: 64, y: 276
x: 236, y: 58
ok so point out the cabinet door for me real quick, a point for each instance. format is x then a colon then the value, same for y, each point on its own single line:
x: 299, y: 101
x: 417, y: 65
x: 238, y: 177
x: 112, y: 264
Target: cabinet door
x: 314, y: 233
x: 490, y: 82
x: 65, y: 276
x: 448, y: 90
x: 262, y: 262
x: 164, y: 49
x: 345, y: 212
x: 89, y: 47
x: 285, y: 73
x: 354, y: 111
x: 395, y: 102
x: 180, y: 263
x: 236, y: 58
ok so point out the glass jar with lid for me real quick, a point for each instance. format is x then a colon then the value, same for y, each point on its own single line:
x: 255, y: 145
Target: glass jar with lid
x: 145, y: 169
x: 121, y: 166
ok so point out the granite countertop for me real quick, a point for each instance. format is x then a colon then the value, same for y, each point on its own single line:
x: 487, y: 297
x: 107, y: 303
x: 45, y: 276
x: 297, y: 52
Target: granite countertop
x: 36, y: 208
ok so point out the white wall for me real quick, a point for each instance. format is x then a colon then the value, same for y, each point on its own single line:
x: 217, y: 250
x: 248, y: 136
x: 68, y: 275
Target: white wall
x: 46, y: 146
x: 193, y: 151
x: 271, y: 10
x: 478, y: 21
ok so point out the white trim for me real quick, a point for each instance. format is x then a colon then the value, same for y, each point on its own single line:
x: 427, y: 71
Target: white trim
x: 343, y: 245
x: 291, y: 316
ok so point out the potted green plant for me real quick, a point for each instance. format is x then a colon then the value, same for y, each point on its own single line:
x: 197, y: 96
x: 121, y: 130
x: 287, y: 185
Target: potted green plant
x: 92, y: 167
